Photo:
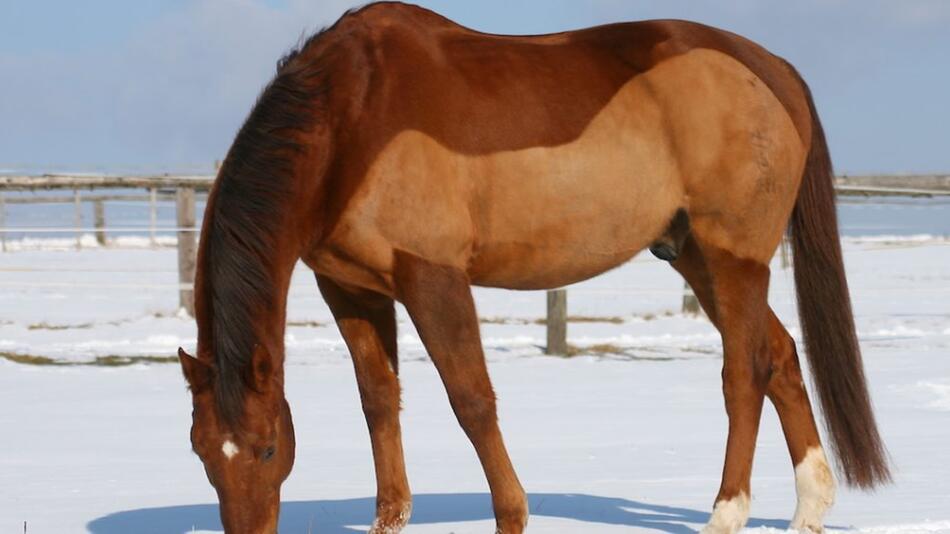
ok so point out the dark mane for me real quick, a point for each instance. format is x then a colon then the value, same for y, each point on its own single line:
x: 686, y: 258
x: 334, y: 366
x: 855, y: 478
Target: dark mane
x: 244, y: 216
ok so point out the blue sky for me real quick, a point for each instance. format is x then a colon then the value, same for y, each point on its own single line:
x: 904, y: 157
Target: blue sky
x: 163, y: 85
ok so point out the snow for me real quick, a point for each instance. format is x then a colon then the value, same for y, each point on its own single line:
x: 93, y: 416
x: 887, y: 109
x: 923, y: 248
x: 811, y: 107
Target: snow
x: 627, y: 441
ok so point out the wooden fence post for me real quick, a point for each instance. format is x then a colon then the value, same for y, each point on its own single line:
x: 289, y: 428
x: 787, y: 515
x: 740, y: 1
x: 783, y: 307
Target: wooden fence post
x: 557, y: 322
x: 690, y: 302
x: 99, y: 216
x: 187, y: 248
x: 152, y: 214
x: 3, y: 222
x: 77, y: 202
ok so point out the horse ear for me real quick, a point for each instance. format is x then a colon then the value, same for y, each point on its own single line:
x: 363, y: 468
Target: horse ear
x: 197, y: 372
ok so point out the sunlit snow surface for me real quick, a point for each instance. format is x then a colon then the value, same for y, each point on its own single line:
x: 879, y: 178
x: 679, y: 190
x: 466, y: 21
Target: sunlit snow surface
x: 619, y: 442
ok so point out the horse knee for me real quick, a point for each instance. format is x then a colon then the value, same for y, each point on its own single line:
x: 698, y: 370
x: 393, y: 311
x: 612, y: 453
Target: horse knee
x: 786, y: 374
x: 381, y: 403
x: 475, y: 411
x: 748, y: 379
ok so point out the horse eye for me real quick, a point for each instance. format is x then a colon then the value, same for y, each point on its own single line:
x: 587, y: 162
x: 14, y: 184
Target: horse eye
x: 268, y: 453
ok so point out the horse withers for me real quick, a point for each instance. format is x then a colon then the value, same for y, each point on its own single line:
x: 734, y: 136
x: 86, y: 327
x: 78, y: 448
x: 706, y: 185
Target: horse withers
x: 404, y: 157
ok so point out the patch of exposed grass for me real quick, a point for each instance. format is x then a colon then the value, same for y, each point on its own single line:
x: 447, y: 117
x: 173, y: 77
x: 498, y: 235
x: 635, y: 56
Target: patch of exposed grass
x: 703, y: 350
x: 99, y: 361
x: 586, y: 319
x: 47, y: 326
x: 28, y: 359
x: 122, y: 361
x: 589, y: 319
x: 609, y: 349
x: 600, y: 348
x: 507, y: 320
x: 654, y: 316
x: 306, y: 324
x: 541, y: 321
x: 85, y: 326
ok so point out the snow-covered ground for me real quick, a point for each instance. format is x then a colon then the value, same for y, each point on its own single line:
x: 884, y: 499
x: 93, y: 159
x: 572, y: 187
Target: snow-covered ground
x: 625, y: 441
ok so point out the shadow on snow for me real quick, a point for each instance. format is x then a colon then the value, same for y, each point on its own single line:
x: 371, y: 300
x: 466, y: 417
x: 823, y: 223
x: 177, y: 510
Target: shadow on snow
x: 346, y: 516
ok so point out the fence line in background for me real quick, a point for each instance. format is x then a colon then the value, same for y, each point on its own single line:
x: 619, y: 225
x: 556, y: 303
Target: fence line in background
x: 79, y: 181
x: 89, y: 198
x: 183, y: 189
x: 93, y: 229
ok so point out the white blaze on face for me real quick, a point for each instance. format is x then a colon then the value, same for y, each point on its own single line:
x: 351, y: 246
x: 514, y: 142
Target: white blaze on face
x: 229, y: 449
x: 816, y: 491
x: 728, y: 516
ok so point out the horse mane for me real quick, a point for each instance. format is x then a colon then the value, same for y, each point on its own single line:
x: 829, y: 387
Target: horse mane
x: 245, y: 215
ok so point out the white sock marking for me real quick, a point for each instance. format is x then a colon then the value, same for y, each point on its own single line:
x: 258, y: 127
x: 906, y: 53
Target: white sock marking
x: 229, y: 449
x: 728, y: 517
x: 815, y: 486
x: 396, y: 525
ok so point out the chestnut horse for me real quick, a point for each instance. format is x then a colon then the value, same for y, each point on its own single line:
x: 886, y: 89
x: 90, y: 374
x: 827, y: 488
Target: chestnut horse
x: 404, y: 157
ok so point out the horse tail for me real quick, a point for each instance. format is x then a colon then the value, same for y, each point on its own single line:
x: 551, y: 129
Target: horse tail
x: 824, y: 309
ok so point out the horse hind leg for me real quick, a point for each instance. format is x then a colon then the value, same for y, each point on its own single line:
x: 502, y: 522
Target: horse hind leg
x: 814, y: 482
x: 669, y: 245
x: 367, y: 323
x: 733, y: 292
x: 780, y: 370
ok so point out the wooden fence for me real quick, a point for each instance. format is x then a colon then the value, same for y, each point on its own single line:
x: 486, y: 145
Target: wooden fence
x: 184, y: 189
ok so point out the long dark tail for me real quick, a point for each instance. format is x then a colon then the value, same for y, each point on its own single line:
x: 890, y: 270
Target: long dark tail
x: 824, y: 309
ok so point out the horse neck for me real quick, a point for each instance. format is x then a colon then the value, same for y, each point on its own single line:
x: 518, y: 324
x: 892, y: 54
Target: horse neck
x: 271, y: 317
x: 263, y: 317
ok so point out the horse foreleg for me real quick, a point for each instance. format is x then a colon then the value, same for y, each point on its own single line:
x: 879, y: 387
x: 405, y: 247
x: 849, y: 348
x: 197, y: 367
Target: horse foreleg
x: 368, y: 325
x: 439, y: 301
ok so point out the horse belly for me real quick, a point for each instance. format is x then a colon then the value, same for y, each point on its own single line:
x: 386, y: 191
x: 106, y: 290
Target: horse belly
x: 548, y: 217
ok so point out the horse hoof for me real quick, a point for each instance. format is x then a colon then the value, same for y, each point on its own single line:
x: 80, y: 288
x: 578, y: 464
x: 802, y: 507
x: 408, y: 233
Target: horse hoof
x: 392, y: 519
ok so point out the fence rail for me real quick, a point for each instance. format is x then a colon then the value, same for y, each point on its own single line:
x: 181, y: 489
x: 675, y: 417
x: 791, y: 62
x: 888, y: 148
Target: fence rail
x: 875, y: 184
x: 184, y: 189
x: 81, y: 181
